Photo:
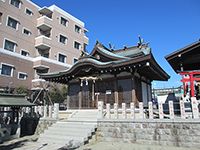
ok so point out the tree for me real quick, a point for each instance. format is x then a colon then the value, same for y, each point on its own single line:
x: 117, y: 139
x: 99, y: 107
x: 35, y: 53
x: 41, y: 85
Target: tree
x: 57, y: 95
x: 22, y: 90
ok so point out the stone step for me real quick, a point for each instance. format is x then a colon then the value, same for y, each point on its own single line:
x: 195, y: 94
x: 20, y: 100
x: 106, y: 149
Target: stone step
x: 68, y: 133
x: 94, y: 124
x: 61, y: 142
x: 74, y: 125
x: 63, y: 137
x: 72, y: 129
x: 80, y: 119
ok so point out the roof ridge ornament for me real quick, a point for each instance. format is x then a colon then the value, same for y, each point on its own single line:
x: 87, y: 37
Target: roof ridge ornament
x: 111, y: 48
x: 140, y: 43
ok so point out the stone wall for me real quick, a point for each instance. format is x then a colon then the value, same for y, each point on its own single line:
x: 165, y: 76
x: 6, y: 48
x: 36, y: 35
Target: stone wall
x: 180, y: 133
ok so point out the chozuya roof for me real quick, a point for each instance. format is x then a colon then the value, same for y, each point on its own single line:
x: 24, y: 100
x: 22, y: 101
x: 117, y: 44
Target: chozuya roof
x: 103, y: 61
x: 14, y: 100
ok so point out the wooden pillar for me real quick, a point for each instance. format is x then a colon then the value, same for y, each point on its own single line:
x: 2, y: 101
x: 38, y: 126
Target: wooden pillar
x: 68, y: 96
x: 133, y: 98
x: 116, y: 90
x: 80, y: 97
x: 93, y: 94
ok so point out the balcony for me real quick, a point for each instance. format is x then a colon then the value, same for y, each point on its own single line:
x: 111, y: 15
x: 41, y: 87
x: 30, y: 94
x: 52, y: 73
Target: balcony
x: 42, y: 42
x: 44, y: 23
x: 45, y: 12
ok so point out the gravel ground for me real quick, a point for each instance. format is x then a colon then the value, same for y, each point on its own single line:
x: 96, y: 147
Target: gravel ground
x: 30, y: 143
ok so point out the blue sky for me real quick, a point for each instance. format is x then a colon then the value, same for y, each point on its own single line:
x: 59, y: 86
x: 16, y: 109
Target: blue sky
x: 168, y: 25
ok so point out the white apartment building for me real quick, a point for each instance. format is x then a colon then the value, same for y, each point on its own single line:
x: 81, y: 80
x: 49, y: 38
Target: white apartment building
x: 36, y: 40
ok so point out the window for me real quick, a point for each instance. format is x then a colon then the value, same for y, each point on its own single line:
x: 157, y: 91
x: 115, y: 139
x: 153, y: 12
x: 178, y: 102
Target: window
x: 77, y: 45
x: 29, y: 12
x: 61, y: 58
x: 24, y: 53
x: 22, y: 76
x: 63, y: 21
x: 9, y: 45
x: 77, y: 29
x: 63, y: 39
x: 15, y: 3
x: 1, y: 14
x: 6, y: 70
x: 75, y: 60
x: 12, y: 23
x: 26, y: 32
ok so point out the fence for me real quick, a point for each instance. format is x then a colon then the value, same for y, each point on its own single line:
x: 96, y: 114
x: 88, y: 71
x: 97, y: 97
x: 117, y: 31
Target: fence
x: 179, y: 110
x: 32, y: 112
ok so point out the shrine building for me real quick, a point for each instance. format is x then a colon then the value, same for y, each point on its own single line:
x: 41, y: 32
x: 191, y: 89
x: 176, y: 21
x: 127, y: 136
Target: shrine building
x: 112, y: 76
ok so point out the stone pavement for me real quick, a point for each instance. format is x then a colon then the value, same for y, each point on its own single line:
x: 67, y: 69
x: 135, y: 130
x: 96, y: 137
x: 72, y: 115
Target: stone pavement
x: 30, y: 143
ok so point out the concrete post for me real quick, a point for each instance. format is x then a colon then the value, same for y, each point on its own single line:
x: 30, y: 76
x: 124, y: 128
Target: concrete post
x: 160, y: 106
x: 100, y: 109
x: 45, y: 111
x: 182, y: 106
x: 124, y: 110
x: 115, y: 110
x: 108, y: 111
x: 150, y: 110
x: 195, y: 110
x: 50, y: 111
x: 171, y: 109
x: 141, y: 110
x: 132, y: 110
x: 56, y: 110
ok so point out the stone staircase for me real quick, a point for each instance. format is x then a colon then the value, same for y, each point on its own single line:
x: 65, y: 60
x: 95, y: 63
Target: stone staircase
x: 75, y: 131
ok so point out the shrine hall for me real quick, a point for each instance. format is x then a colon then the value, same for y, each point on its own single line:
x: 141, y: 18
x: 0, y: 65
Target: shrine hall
x: 109, y: 75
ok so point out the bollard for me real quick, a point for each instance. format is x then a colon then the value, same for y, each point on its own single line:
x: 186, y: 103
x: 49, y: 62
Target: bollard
x: 150, y: 110
x: 115, y: 110
x: 56, y: 110
x: 124, y: 110
x: 108, y: 111
x: 132, y: 110
x: 100, y: 109
x: 141, y: 110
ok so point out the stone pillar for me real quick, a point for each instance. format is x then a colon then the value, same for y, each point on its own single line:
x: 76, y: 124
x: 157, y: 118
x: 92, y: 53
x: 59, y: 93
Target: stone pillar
x: 45, y: 111
x: 171, y: 109
x: 150, y: 110
x: 100, y: 109
x: 141, y: 110
x: 115, y: 110
x: 56, y: 110
x: 108, y: 111
x: 42, y: 110
x: 50, y: 111
x: 124, y: 110
x: 195, y: 110
x: 160, y: 106
x: 182, y: 106
x: 132, y: 110
x: 6, y: 113
x: 36, y: 109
